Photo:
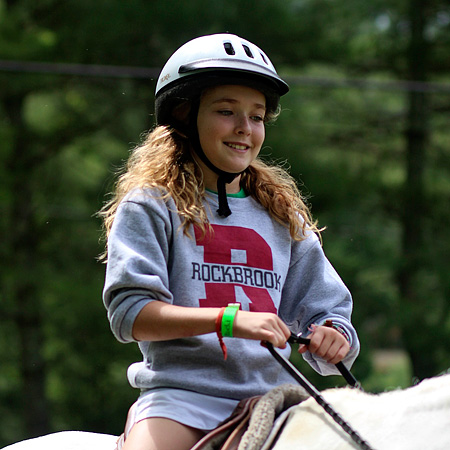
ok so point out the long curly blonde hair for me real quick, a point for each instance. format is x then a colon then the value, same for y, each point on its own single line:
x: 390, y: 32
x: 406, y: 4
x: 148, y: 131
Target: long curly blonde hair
x: 164, y: 160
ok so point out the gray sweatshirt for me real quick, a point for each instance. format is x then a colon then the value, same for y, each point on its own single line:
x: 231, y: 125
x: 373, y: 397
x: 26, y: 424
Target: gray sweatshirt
x: 248, y: 259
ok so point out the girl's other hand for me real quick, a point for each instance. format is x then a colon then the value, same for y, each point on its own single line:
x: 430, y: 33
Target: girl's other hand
x: 327, y: 343
x: 261, y: 327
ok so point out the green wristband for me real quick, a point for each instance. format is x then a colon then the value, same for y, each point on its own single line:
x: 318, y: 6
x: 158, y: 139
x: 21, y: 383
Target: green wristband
x: 228, y: 319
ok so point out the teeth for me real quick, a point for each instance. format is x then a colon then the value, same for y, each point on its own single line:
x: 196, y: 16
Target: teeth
x: 237, y: 147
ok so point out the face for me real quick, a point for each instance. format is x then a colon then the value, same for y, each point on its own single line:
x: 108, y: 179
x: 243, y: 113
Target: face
x: 231, y: 126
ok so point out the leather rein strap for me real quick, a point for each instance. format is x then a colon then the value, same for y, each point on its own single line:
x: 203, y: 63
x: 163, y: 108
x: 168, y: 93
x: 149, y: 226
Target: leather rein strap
x: 302, y: 380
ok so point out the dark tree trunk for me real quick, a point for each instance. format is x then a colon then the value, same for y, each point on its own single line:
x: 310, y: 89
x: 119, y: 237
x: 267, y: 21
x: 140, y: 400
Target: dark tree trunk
x: 25, y: 300
x: 414, y: 307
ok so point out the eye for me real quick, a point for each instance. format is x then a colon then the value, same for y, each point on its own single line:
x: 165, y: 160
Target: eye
x: 257, y: 118
x: 225, y: 112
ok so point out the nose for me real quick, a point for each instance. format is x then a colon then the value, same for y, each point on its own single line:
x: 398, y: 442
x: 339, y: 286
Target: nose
x: 243, y: 125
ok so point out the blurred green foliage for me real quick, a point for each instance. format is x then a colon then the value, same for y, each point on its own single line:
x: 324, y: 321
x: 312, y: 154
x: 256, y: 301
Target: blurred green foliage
x: 342, y: 132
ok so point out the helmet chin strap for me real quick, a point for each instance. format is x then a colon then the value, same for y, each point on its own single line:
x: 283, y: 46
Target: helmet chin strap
x: 224, y: 177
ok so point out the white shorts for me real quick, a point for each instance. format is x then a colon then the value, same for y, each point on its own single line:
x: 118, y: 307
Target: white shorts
x: 195, y: 410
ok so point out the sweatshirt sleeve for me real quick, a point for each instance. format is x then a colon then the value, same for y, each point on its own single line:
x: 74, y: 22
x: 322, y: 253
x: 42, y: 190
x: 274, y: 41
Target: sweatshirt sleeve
x: 313, y: 293
x: 136, y: 272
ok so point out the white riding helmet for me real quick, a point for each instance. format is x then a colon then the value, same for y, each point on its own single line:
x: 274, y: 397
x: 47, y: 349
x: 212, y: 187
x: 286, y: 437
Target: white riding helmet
x: 212, y: 60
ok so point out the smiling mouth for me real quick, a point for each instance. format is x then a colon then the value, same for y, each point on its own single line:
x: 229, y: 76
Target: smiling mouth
x: 237, y: 146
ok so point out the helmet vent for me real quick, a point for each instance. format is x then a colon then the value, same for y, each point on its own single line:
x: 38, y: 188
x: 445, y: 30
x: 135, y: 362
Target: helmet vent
x: 264, y: 58
x: 248, y: 51
x: 229, y: 48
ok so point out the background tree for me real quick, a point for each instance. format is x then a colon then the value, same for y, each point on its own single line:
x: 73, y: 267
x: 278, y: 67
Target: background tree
x: 417, y: 276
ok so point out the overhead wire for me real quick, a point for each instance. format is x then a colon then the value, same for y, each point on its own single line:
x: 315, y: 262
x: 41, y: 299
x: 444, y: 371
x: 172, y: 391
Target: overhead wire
x: 114, y: 71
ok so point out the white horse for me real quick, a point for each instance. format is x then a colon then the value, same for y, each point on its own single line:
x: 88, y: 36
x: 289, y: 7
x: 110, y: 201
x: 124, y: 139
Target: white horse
x: 416, y: 418
x: 67, y: 440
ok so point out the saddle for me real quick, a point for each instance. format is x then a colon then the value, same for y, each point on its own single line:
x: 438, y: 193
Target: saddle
x: 229, y: 433
x: 252, y: 421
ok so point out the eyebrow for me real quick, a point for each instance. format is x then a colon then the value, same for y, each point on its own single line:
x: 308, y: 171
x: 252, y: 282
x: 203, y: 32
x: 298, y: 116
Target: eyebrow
x: 233, y: 100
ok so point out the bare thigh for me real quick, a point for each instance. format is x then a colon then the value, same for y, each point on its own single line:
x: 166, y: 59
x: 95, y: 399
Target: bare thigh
x: 158, y: 433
